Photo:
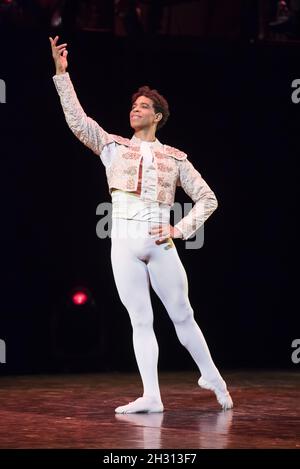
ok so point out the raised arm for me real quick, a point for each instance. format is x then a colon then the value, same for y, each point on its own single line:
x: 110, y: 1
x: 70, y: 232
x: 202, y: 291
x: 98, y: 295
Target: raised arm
x: 59, y: 54
x: 86, y: 129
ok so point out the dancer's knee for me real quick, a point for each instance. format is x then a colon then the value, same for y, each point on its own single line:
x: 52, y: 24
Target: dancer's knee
x: 140, y: 319
x: 141, y: 323
x: 181, y: 313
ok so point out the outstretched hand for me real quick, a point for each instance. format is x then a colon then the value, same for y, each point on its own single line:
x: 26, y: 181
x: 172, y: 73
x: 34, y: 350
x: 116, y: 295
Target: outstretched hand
x: 59, y: 54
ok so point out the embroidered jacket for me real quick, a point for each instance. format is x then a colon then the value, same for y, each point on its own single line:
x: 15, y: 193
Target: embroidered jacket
x: 172, y: 166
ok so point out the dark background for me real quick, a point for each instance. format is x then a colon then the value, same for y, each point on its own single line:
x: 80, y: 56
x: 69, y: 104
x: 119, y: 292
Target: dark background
x: 231, y: 111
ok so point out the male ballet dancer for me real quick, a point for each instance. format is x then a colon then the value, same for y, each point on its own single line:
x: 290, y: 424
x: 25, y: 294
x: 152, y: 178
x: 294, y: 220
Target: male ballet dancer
x: 142, y: 176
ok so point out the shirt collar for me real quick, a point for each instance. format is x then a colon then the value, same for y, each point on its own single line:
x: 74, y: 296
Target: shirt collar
x: 137, y: 141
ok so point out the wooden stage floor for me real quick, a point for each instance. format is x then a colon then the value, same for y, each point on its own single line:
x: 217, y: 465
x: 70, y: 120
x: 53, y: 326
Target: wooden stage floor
x: 77, y: 411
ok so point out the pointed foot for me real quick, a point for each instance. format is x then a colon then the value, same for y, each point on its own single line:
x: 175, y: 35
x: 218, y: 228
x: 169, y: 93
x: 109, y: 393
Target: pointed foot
x: 221, y: 392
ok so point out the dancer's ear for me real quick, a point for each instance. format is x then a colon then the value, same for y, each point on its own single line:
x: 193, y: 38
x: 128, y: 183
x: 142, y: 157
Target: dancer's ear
x: 158, y: 116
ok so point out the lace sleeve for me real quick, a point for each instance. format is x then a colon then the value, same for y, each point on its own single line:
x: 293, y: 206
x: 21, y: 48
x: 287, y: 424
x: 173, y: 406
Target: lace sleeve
x: 86, y: 129
x: 199, y: 191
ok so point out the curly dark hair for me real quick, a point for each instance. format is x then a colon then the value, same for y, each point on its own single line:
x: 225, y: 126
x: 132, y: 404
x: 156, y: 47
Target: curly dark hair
x: 160, y: 104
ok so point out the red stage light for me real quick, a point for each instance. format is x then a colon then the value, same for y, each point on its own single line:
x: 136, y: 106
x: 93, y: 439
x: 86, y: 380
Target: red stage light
x: 79, y: 298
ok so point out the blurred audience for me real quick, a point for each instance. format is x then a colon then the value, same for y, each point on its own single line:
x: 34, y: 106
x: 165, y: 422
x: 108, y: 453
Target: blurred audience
x: 287, y: 18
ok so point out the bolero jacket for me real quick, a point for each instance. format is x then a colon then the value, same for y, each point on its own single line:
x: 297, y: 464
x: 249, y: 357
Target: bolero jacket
x: 172, y: 165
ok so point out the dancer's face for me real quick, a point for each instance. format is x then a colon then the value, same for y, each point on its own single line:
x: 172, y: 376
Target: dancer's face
x: 142, y: 114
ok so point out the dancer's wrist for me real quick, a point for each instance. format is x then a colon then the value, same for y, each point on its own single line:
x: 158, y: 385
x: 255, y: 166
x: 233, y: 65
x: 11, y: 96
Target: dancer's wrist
x: 60, y: 71
x: 178, y: 233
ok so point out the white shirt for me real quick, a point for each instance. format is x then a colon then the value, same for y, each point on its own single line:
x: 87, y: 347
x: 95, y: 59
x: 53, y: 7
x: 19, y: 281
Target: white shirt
x: 130, y: 206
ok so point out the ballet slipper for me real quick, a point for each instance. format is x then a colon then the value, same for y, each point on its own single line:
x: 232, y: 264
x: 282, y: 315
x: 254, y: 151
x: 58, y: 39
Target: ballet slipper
x: 142, y: 404
x: 222, y: 395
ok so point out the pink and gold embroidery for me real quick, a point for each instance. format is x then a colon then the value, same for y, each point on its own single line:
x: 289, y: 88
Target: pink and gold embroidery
x: 131, y: 170
x: 162, y: 182
x: 120, y: 140
x: 158, y: 154
x: 130, y: 155
x: 165, y: 168
x: 180, y: 155
x: 162, y: 196
x: 130, y: 183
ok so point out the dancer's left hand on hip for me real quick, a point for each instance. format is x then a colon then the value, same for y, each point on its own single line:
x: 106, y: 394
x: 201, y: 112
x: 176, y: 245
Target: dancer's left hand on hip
x: 164, y: 233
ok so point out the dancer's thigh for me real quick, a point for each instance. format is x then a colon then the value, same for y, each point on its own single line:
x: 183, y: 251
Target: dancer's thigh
x: 169, y: 279
x: 131, y: 277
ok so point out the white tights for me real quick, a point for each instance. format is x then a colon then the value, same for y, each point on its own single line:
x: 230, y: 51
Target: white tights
x: 137, y: 262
